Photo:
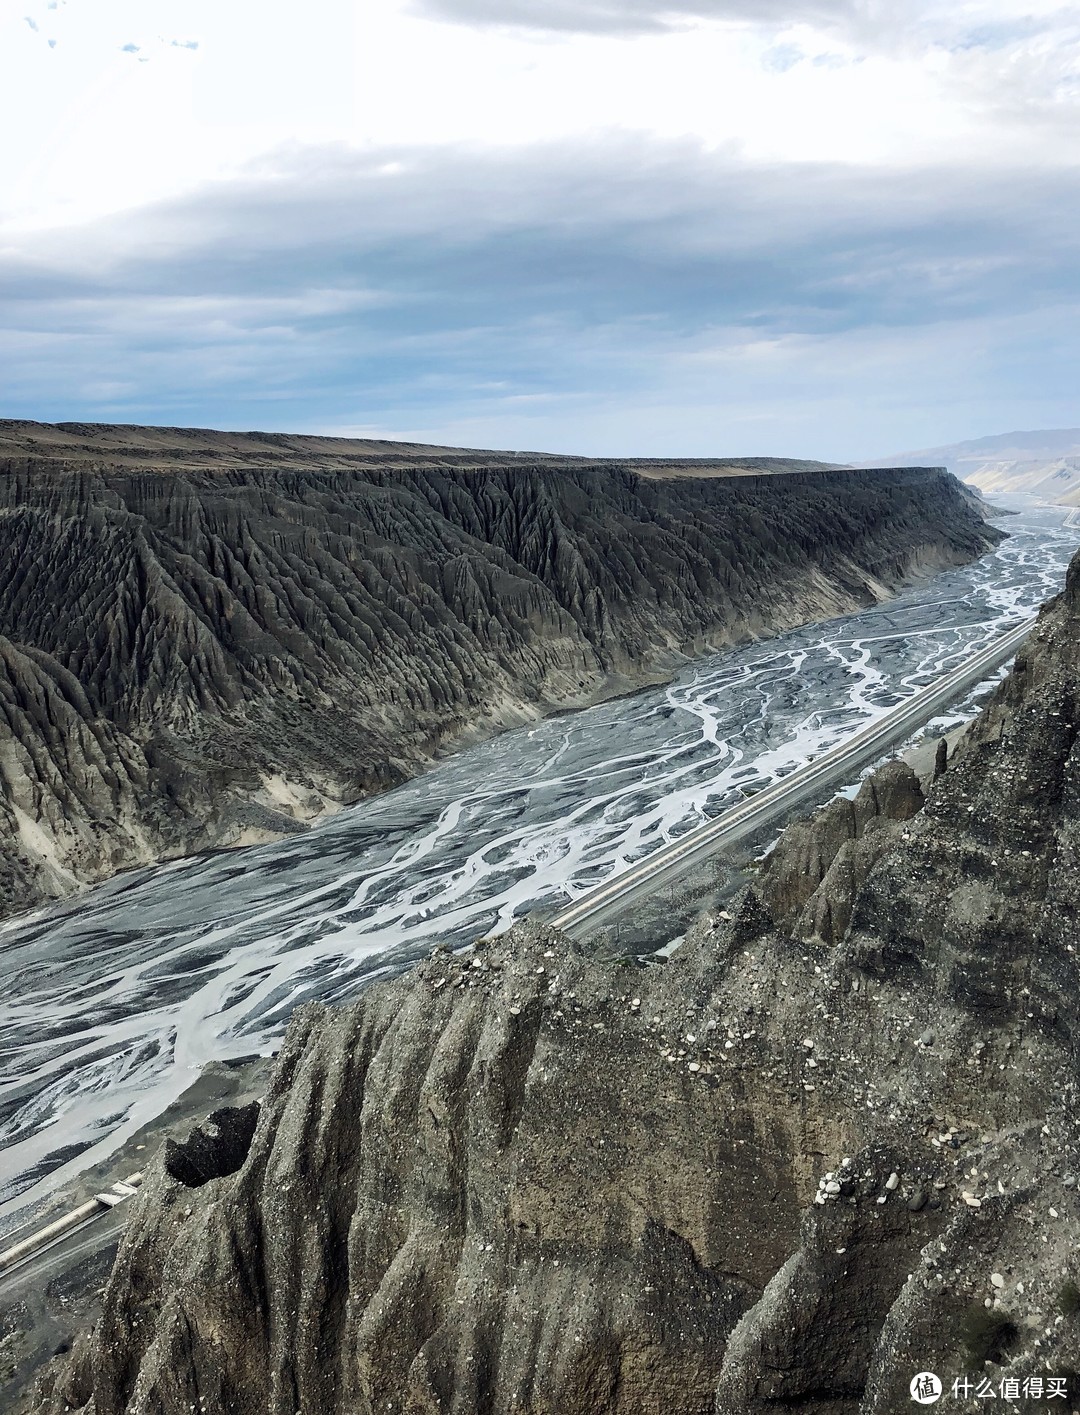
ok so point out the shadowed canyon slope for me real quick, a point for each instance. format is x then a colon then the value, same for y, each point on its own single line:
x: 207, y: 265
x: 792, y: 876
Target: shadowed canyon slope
x: 208, y: 639
x: 833, y: 1143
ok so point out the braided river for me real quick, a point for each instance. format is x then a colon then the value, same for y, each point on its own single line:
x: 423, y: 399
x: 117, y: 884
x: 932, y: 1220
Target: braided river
x: 113, y: 1000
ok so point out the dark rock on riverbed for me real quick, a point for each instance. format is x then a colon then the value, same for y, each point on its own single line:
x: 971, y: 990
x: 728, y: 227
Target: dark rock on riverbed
x: 209, y: 639
x: 780, y: 1174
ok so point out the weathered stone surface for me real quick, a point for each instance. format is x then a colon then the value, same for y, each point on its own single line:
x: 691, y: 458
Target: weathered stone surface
x: 811, y: 883
x: 209, y: 639
x: 450, y: 1204
x: 502, y: 1188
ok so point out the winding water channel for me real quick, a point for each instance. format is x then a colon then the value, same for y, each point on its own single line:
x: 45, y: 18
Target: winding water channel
x: 113, y: 1001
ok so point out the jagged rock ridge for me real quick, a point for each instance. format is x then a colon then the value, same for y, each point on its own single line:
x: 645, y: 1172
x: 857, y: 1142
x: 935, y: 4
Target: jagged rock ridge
x: 777, y: 1175
x: 210, y: 642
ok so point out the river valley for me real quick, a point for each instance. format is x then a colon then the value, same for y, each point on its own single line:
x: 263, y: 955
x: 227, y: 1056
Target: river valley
x: 115, y: 999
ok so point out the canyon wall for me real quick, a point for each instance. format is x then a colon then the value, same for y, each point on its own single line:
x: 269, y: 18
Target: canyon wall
x: 833, y: 1143
x: 210, y: 643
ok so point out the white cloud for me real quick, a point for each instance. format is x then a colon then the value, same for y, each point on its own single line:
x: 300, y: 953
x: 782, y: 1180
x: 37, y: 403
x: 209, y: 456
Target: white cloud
x: 859, y: 82
x: 602, y: 211
x: 603, y: 291
x: 636, y: 16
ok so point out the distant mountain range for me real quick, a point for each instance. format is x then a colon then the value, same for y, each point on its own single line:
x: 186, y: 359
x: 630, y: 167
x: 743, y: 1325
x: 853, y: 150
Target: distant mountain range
x: 1044, y: 463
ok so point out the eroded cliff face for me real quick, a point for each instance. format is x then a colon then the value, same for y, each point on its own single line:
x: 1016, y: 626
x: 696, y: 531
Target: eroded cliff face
x: 209, y: 639
x: 782, y: 1173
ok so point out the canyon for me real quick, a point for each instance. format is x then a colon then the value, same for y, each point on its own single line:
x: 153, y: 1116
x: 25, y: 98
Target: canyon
x: 831, y: 1144
x: 213, y: 639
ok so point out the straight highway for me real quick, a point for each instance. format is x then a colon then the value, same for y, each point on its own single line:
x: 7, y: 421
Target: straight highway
x: 88, y: 1227
x: 832, y: 769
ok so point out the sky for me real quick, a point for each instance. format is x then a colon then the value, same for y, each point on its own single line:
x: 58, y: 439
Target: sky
x: 820, y: 228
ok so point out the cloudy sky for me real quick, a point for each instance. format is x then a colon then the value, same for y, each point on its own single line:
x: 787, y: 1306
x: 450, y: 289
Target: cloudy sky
x: 830, y: 228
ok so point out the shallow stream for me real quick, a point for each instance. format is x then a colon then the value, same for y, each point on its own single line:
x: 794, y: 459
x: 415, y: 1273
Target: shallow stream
x: 114, y: 1000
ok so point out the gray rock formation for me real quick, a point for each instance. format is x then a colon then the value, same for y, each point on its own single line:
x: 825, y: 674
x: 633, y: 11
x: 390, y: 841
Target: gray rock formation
x: 775, y: 1175
x: 209, y: 639
x: 810, y: 885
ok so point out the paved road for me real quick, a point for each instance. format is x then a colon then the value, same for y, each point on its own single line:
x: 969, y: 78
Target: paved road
x: 815, y: 780
x: 832, y: 769
x: 37, y: 1268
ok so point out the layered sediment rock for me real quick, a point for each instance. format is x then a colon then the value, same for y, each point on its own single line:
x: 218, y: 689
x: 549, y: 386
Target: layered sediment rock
x: 775, y: 1175
x: 209, y: 639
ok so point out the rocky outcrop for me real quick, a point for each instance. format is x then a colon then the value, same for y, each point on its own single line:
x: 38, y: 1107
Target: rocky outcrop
x: 774, y: 1175
x: 811, y: 884
x: 209, y: 639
